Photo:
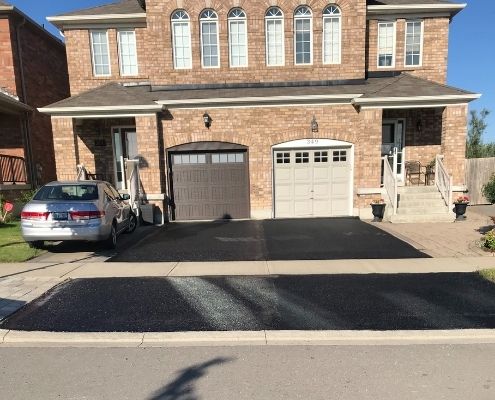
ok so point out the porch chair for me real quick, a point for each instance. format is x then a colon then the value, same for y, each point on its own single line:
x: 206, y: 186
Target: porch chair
x: 414, y: 170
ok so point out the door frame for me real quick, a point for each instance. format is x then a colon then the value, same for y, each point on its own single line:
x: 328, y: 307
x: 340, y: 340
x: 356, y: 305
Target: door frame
x: 315, y: 144
x: 395, y: 121
x: 112, y: 128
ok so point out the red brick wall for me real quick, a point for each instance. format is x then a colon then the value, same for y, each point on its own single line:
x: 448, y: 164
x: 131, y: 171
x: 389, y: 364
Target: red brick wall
x: 7, y: 76
x: 435, y: 49
x: 454, y: 131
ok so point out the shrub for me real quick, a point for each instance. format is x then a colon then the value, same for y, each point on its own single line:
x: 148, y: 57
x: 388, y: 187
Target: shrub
x: 488, y: 241
x: 26, y: 196
x: 489, y: 190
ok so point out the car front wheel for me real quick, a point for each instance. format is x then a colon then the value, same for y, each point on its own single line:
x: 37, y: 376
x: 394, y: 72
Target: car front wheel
x: 132, y: 223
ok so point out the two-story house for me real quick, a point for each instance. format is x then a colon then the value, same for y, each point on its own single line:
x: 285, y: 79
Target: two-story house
x: 262, y: 109
x: 33, y: 73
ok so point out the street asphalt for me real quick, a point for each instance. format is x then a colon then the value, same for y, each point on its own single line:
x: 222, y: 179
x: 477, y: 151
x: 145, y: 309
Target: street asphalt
x: 330, y: 302
x: 433, y: 372
x: 294, y: 239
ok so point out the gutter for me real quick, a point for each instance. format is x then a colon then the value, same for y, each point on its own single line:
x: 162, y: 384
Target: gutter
x: 414, y: 102
x: 415, y: 8
x: 81, y: 20
x: 102, y: 111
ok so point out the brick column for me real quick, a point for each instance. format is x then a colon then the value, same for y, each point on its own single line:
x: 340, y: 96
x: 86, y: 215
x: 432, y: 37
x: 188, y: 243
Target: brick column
x: 151, y: 166
x: 454, y: 132
x: 65, y: 146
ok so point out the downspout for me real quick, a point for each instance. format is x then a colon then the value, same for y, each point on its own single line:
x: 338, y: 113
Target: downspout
x: 25, y: 121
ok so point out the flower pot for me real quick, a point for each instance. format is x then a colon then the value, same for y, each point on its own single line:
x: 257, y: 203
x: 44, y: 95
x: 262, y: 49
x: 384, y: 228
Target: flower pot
x: 378, y: 212
x: 460, y: 210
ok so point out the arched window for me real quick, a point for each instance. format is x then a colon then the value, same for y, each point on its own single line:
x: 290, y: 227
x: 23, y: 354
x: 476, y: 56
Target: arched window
x: 274, y: 28
x: 303, y: 35
x: 238, y: 48
x: 210, y: 55
x: 181, y: 40
x: 332, y: 31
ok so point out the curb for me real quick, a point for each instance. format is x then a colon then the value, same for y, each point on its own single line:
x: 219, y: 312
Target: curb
x: 241, y: 338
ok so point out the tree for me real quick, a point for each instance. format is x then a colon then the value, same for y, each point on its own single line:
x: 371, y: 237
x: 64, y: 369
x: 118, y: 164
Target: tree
x: 475, y: 148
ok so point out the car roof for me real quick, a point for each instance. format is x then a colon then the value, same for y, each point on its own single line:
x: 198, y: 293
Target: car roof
x: 55, y: 183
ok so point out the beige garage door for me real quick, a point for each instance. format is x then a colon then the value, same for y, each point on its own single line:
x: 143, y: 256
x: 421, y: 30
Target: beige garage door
x: 313, y: 183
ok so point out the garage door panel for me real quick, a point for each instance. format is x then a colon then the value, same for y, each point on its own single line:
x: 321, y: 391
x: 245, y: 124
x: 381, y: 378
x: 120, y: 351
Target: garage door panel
x: 210, y: 190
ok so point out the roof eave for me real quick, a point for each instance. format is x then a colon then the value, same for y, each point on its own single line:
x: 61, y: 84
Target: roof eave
x: 11, y: 105
x: 7, y: 8
x: 101, y: 111
x: 451, y: 9
x: 415, y: 102
x: 62, y: 21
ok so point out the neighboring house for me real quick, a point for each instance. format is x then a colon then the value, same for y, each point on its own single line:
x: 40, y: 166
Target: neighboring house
x: 33, y: 74
x: 258, y: 109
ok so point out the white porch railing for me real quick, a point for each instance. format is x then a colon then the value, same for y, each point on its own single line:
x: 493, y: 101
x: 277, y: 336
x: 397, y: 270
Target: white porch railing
x: 82, y: 173
x: 443, y: 180
x: 133, y: 183
x: 390, y: 182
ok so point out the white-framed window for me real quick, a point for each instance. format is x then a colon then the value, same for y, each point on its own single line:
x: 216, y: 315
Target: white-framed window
x: 127, y: 52
x: 181, y: 40
x: 210, y: 54
x: 274, y: 31
x: 386, y: 44
x: 238, y: 48
x: 303, y: 36
x: 100, y: 53
x: 332, y: 34
x: 414, y: 44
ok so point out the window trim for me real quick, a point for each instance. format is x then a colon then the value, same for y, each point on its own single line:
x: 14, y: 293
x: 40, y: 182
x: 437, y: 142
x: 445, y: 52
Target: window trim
x: 394, y: 47
x: 93, y: 54
x: 120, y: 51
x: 340, y: 35
x: 177, y: 21
x: 421, y: 43
x: 311, y: 53
x: 271, y: 18
x: 209, y: 20
x: 237, y: 19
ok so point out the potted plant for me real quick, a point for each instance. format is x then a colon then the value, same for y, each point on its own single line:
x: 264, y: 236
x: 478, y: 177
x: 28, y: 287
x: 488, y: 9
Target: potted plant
x: 378, y: 209
x: 460, y: 205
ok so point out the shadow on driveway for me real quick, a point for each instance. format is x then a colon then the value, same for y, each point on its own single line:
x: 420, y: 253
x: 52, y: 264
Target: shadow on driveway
x: 330, y: 302
x: 294, y: 239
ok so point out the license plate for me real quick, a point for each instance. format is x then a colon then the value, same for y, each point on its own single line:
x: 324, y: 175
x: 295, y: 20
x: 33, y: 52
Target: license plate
x: 60, y: 216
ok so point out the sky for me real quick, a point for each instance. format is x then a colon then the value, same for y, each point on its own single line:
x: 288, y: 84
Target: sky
x: 471, y: 51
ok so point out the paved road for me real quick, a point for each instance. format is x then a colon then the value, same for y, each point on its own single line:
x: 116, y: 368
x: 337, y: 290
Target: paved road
x: 336, y: 302
x: 295, y: 239
x: 252, y: 373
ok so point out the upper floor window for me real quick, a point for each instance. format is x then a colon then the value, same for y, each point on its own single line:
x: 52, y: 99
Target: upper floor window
x: 127, y: 52
x: 386, y: 44
x: 181, y: 40
x: 303, y: 35
x: 238, y: 38
x: 274, y: 26
x: 100, y: 53
x: 331, y: 35
x: 414, y: 43
x: 210, y: 56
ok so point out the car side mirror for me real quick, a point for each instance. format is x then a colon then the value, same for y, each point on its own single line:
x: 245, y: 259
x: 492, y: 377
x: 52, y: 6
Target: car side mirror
x: 125, y: 197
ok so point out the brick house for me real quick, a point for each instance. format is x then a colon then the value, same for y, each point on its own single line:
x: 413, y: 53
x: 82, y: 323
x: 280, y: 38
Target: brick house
x: 262, y: 109
x: 33, y: 74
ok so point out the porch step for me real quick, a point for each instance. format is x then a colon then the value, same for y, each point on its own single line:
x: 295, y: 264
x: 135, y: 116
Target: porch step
x: 418, y: 189
x: 420, y: 196
x: 418, y: 218
x: 421, y: 202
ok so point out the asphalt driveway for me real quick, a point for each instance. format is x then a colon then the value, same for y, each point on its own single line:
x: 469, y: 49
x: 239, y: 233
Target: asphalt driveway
x: 330, y: 302
x: 291, y: 239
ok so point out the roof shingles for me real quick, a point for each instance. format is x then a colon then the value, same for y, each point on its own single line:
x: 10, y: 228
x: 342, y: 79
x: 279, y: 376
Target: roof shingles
x: 121, y: 7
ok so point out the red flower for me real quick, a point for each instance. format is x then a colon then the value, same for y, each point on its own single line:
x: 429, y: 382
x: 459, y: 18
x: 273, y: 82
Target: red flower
x: 8, y: 207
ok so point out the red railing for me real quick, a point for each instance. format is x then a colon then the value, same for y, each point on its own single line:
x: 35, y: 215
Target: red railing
x: 12, y: 170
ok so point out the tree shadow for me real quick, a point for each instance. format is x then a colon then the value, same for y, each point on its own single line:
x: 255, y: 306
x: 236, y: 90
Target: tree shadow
x: 182, y: 387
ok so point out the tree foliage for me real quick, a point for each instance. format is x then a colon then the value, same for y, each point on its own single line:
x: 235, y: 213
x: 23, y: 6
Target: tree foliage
x: 475, y: 148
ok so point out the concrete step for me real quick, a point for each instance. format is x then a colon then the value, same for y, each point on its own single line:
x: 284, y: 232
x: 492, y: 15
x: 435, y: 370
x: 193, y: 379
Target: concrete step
x: 417, y: 196
x: 422, y: 210
x: 421, y: 202
x: 418, y: 189
x: 411, y: 219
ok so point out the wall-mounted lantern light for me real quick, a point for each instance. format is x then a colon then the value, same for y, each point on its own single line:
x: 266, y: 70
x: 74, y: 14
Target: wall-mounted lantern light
x: 207, y: 120
x: 314, y: 125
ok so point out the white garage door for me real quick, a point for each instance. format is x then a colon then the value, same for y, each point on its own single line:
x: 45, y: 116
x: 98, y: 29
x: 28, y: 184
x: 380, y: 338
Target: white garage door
x: 313, y: 183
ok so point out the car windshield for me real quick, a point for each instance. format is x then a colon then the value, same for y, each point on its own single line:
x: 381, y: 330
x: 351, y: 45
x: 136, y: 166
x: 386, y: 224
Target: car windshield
x: 67, y: 193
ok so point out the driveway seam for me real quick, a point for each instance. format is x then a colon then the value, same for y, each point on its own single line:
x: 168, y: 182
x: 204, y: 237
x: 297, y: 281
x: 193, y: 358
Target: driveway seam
x: 268, y: 267
x: 173, y: 268
x: 72, y: 270
x: 3, y: 337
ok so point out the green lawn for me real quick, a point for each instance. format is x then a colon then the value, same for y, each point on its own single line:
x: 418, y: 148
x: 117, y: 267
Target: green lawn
x: 13, y: 248
x: 488, y: 274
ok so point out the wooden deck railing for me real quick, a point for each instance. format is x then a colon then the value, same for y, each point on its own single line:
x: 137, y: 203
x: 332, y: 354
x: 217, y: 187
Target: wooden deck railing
x: 12, y: 170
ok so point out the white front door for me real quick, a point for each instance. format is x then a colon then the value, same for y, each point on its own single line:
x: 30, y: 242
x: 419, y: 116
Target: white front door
x: 124, y: 147
x: 393, y: 139
x: 312, y: 182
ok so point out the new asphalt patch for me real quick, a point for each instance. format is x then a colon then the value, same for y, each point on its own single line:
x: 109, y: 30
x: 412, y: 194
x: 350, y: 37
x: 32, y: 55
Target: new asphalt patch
x: 330, y: 302
x: 291, y: 239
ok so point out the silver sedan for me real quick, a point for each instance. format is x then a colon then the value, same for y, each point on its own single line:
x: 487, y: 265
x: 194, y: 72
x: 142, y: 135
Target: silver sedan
x: 79, y: 210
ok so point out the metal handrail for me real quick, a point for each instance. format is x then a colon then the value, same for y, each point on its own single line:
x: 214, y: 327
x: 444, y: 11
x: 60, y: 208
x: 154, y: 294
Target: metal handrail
x: 12, y: 169
x: 390, y: 183
x: 443, y: 180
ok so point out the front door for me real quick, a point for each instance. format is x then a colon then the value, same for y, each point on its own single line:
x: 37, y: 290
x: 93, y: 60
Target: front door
x: 124, y: 147
x: 393, y: 137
